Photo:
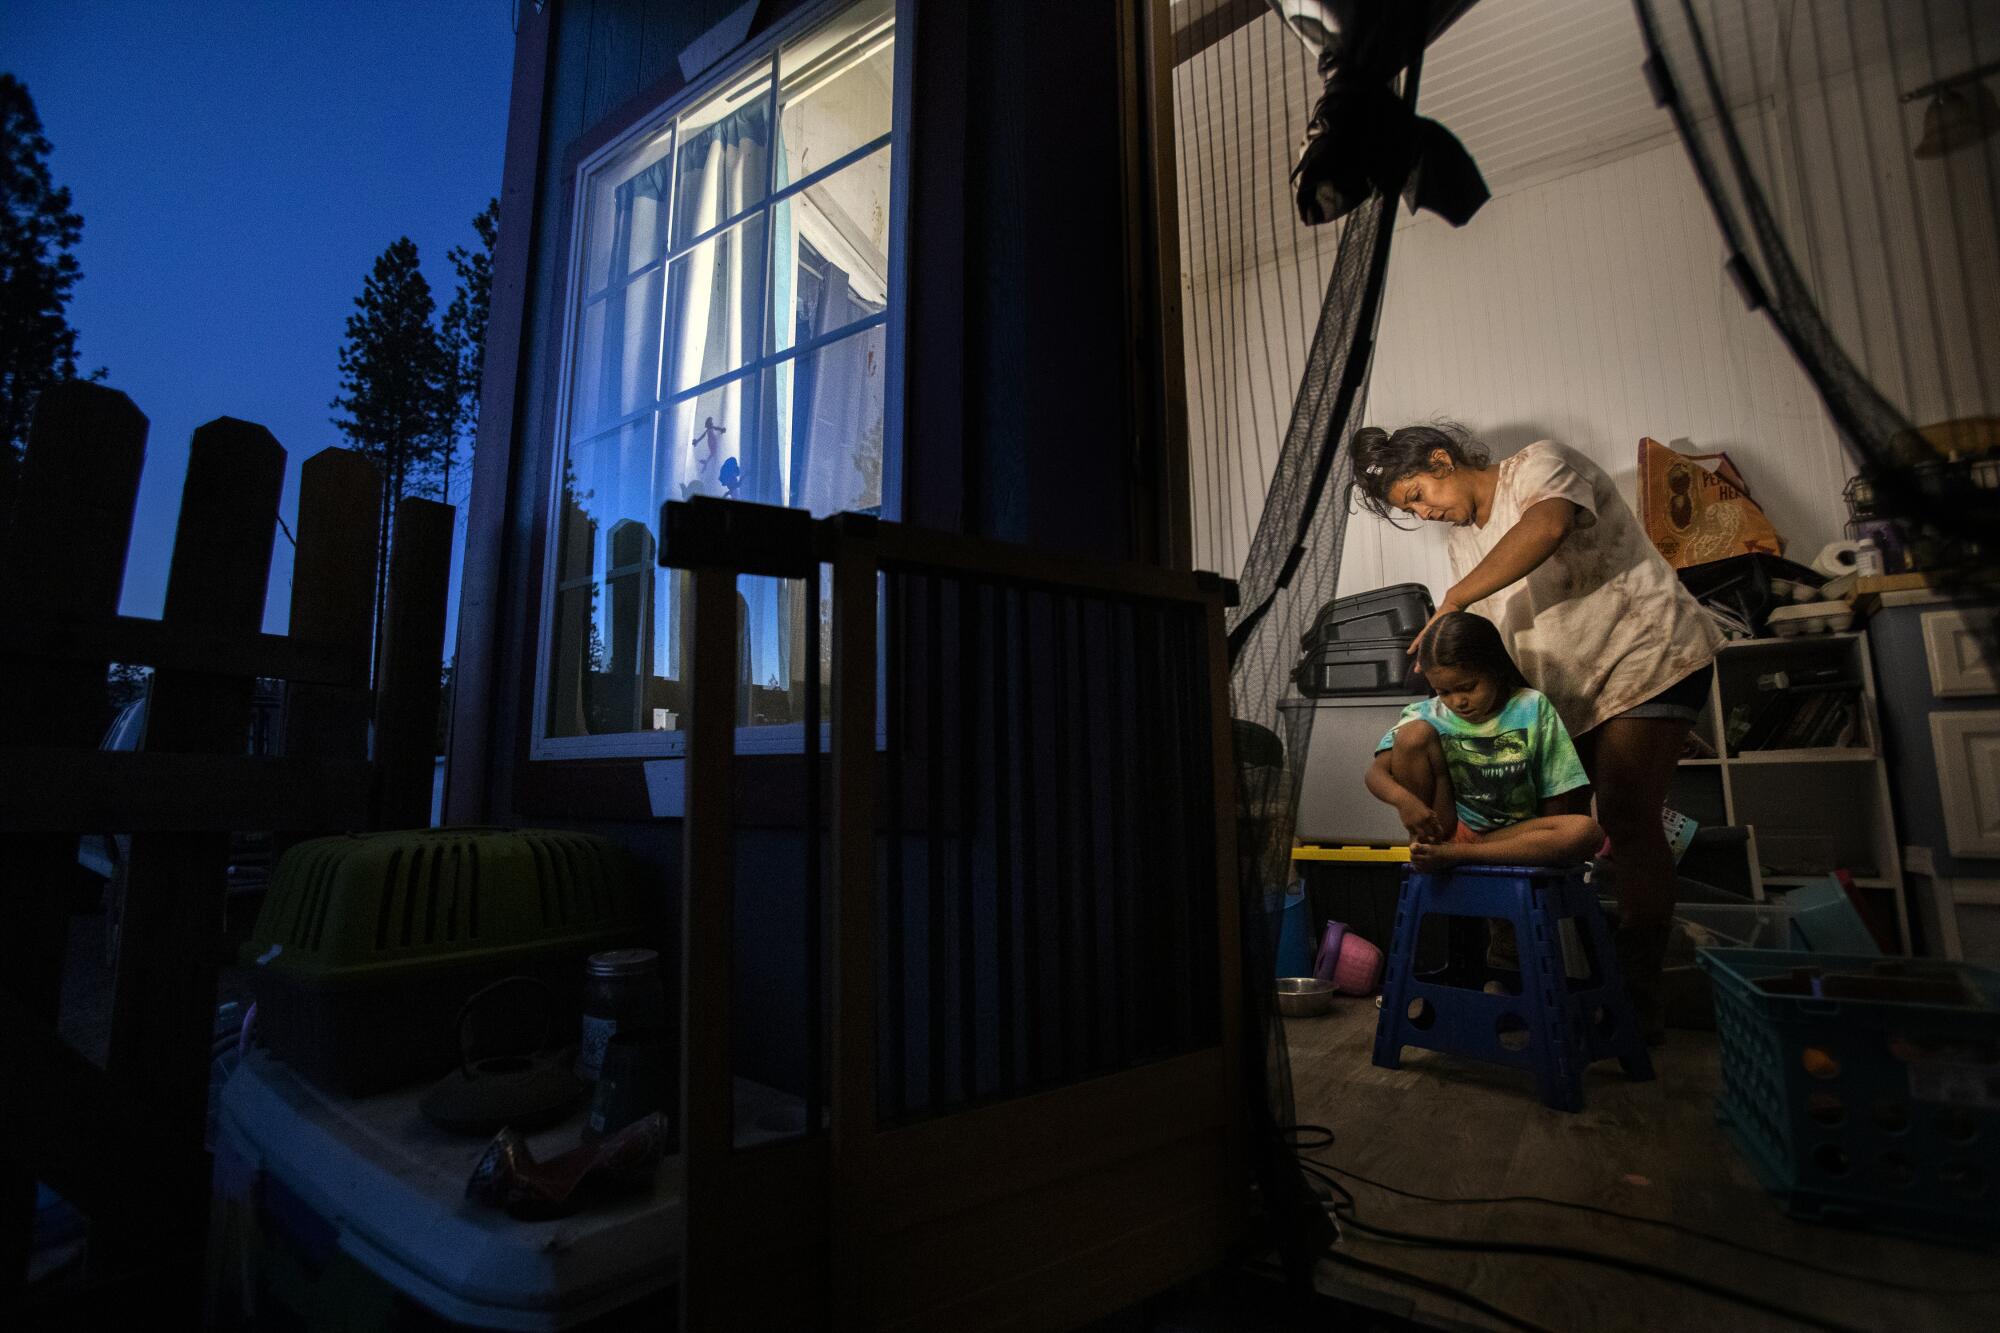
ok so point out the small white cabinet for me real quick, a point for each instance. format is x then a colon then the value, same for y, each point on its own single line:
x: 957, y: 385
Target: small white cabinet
x: 1967, y: 745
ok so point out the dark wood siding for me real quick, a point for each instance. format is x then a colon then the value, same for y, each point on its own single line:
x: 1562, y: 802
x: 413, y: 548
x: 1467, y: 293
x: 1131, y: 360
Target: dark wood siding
x: 1021, y: 416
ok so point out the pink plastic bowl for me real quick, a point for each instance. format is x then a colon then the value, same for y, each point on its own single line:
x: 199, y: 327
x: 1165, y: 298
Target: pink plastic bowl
x: 1359, y: 970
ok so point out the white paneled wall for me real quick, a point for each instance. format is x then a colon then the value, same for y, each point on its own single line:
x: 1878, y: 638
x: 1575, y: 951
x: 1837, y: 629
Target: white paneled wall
x: 1587, y: 301
x: 1908, y: 271
x: 1591, y: 308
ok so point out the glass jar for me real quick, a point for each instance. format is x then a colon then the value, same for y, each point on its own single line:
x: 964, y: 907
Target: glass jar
x: 623, y: 995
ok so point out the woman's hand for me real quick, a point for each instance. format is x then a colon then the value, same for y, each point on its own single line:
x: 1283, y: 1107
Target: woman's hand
x: 1445, y: 608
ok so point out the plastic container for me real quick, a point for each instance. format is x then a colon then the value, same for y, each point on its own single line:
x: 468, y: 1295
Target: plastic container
x: 1875, y: 1102
x: 1765, y: 925
x: 1394, y: 612
x: 367, y: 945
x: 1293, y: 955
x: 344, y: 1213
x: 1359, y: 666
x: 1810, y: 618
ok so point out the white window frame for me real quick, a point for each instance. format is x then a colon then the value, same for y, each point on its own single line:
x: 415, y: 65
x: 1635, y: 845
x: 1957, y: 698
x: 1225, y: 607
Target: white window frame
x: 784, y: 738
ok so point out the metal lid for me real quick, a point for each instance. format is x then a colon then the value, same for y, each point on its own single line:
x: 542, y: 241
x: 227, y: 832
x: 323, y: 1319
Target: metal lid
x: 624, y: 962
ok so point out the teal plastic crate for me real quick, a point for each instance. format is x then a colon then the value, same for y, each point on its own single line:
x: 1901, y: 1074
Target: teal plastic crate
x: 1869, y: 1097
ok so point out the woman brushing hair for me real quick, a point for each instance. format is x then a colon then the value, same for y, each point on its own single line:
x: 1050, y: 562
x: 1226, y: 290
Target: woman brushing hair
x: 1542, y: 545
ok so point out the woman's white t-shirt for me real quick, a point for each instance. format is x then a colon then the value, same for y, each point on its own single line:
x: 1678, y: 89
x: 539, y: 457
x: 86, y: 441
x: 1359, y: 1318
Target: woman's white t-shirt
x: 1603, y: 624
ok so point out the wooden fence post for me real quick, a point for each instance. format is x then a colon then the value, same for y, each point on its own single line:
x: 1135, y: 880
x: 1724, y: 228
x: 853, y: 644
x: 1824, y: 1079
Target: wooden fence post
x: 408, y: 680
x: 63, y: 557
x: 163, y: 1008
x: 333, y: 592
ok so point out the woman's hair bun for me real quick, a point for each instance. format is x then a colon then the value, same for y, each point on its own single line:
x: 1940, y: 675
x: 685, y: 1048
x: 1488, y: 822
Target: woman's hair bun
x: 1382, y: 459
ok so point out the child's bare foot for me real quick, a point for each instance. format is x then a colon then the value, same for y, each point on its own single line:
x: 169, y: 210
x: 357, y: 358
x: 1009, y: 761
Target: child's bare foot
x: 1430, y: 857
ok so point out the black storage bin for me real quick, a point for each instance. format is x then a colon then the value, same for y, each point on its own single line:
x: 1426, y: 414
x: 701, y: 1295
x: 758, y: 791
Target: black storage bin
x: 1363, y: 666
x: 1395, y: 612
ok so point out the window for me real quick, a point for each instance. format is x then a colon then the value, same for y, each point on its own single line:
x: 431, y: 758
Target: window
x: 731, y: 282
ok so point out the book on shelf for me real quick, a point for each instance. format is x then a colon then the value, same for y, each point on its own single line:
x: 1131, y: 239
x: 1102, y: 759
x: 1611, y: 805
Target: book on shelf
x: 1803, y: 680
x: 1836, y: 723
x: 1801, y: 717
x: 1770, y: 713
x: 1803, y: 721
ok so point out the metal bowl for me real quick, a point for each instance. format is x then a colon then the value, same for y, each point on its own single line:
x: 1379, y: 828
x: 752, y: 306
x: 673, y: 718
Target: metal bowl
x: 1304, y: 997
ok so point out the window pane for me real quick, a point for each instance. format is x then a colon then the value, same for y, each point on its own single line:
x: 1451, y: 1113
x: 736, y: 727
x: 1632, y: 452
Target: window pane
x: 830, y: 253
x: 627, y: 209
x: 826, y: 409
x: 704, y: 440
x: 725, y: 158
x: 715, y: 306
x: 695, y: 293
x: 605, y: 579
x: 836, y: 88
x: 617, y: 365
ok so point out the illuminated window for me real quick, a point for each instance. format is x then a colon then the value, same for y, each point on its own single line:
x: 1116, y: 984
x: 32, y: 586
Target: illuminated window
x: 731, y: 288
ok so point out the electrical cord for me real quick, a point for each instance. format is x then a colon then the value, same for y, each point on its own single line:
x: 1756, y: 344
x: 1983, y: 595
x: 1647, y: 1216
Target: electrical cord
x: 1918, y: 1288
x: 1345, y: 1200
x: 1444, y: 1289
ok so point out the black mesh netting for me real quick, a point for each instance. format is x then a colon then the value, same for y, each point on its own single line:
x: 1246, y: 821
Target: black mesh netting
x: 1826, y: 133
x: 1290, y: 570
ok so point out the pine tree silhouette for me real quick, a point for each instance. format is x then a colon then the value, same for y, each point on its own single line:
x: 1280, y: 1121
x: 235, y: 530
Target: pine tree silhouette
x: 396, y: 385
x: 39, y: 232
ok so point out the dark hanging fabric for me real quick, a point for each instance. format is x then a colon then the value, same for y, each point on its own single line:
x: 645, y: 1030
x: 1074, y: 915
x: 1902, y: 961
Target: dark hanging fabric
x: 1291, y: 569
x: 1363, y: 148
x: 1683, y: 67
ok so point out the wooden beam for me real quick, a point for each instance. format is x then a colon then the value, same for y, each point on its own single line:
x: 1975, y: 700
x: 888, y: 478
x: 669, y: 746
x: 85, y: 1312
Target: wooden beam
x: 333, y: 603
x: 1220, y: 18
x: 483, y: 653
x: 66, y: 1122
x: 170, y: 647
x: 769, y: 539
x: 853, y: 1022
x: 83, y: 791
x: 408, y: 683
x: 708, y: 883
x: 333, y: 600
x: 963, y: 1161
x: 1215, y: 21
x: 1236, y: 1033
x: 163, y: 1005
x: 63, y: 553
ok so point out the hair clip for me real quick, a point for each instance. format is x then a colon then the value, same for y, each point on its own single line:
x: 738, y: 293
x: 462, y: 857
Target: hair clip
x: 1374, y: 469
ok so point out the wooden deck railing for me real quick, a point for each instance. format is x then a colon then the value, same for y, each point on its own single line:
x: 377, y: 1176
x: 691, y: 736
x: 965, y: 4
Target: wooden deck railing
x: 124, y: 1142
x: 1025, y: 974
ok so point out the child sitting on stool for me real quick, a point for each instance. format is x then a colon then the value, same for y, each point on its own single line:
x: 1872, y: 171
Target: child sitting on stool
x: 1479, y: 771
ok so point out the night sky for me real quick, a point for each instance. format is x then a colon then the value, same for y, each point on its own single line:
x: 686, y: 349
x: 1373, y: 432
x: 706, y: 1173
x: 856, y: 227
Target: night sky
x: 238, y: 165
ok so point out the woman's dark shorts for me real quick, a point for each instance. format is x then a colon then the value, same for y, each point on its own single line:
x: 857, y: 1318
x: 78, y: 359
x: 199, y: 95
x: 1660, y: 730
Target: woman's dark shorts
x: 1681, y: 701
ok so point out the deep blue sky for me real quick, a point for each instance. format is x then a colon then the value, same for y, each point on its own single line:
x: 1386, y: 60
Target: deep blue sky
x: 238, y: 165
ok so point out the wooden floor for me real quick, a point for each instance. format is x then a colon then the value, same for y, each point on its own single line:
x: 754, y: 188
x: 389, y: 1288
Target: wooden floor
x: 1451, y: 1128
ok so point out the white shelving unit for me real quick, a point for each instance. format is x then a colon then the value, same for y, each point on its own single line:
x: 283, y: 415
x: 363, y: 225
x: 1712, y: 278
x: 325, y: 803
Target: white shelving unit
x: 1805, y: 812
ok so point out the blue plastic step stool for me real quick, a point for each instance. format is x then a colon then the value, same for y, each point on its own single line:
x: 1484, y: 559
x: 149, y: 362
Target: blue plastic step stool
x: 1556, y: 1026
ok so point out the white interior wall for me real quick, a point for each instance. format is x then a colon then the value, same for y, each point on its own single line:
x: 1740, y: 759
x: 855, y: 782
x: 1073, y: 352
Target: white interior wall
x: 1591, y: 309
x: 1587, y: 301
x: 1919, y: 240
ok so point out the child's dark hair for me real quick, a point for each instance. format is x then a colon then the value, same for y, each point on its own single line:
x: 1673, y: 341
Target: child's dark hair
x: 1382, y: 459
x: 1470, y: 643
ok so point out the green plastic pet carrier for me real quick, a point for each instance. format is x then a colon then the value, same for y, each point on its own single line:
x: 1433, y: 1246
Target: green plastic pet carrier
x: 367, y: 945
